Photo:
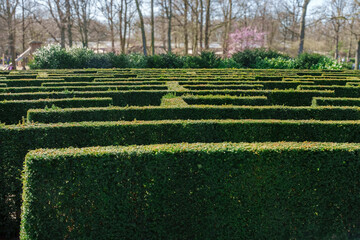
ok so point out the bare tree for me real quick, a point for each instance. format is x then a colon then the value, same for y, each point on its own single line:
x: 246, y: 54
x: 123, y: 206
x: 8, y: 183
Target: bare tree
x: 83, y: 10
x: 207, y: 24
x: 337, y: 20
x: 142, y: 26
x: 302, y: 26
x: 7, y: 13
x: 107, y: 8
x: 152, y: 29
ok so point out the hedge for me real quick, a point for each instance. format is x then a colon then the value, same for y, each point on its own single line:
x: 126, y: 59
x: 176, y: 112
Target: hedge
x: 220, y: 87
x: 336, y: 101
x: 18, y: 139
x: 120, y: 98
x: 11, y: 112
x: 193, y: 113
x: 29, y: 82
x: 266, y: 84
x: 81, y: 88
x: 3, y: 85
x: 193, y: 191
x: 223, y: 99
x: 276, y: 97
x: 340, y: 91
x: 128, y: 83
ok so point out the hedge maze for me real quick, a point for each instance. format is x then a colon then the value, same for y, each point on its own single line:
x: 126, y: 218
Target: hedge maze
x: 180, y: 154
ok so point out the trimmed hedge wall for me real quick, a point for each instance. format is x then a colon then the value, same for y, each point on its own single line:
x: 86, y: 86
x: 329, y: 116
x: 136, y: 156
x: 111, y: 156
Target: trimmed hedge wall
x: 29, y: 82
x: 81, y: 88
x: 266, y: 84
x: 336, y: 101
x: 120, y: 98
x: 12, y: 112
x: 193, y: 191
x: 223, y: 99
x: 17, y: 140
x: 102, y: 83
x: 340, y: 91
x: 193, y: 113
x: 217, y: 87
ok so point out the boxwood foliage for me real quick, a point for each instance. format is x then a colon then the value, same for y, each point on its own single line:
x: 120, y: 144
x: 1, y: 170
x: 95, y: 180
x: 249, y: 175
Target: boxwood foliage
x: 287, y: 97
x: 16, y: 140
x: 318, y: 101
x: 193, y: 191
x: 81, y: 88
x: 193, y: 113
x: 11, y: 112
x: 120, y: 98
x: 340, y: 91
x: 28, y: 82
x: 222, y: 100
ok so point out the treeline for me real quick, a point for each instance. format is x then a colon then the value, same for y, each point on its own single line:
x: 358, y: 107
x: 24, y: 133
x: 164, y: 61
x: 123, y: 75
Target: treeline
x: 55, y: 57
x: 184, y: 27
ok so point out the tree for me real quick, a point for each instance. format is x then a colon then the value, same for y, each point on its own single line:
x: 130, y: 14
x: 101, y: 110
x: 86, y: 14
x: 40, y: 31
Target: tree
x: 83, y: 10
x: 152, y: 29
x: 302, y: 26
x: 107, y: 8
x: 143, y: 35
x: 337, y: 19
x: 245, y: 38
x: 207, y: 24
x: 7, y: 13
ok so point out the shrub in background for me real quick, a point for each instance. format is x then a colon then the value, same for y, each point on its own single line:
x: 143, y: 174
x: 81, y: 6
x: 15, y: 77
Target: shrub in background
x: 53, y: 57
x: 250, y: 57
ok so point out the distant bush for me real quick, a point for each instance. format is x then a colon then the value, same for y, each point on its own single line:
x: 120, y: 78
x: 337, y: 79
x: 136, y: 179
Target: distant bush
x: 54, y: 57
x: 249, y: 58
x: 276, y: 63
x: 316, y: 61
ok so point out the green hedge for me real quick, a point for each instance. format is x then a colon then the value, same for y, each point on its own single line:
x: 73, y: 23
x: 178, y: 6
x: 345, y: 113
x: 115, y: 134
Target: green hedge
x: 220, y: 87
x: 266, y: 84
x: 276, y: 97
x: 193, y: 191
x: 3, y: 85
x: 21, y: 76
x: 193, y: 113
x: 340, y: 91
x: 336, y: 101
x: 223, y: 100
x: 16, y: 140
x: 120, y: 98
x: 12, y: 112
x: 81, y: 88
x: 106, y: 83
x: 29, y: 82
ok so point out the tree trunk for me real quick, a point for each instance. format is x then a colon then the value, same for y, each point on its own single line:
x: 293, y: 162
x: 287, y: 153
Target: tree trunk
x: 69, y: 22
x: 152, y: 29
x: 201, y: 23
x: 207, y: 24
x: 357, y: 55
x: 186, y: 37
x: 62, y: 35
x: 336, y: 46
x: 302, y: 26
x: 23, y: 28
x: 169, y: 26
x: 143, y: 36
x: 227, y: 29
x: 350, y: 48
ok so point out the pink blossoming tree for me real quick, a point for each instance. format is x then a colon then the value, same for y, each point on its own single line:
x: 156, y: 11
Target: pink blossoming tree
x: 245, y: 38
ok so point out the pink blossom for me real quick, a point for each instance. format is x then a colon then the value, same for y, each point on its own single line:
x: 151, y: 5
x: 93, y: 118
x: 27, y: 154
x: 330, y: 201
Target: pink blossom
x: 245, y: 38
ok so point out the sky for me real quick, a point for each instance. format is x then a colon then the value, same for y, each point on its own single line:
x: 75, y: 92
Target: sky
x: 315, y: 3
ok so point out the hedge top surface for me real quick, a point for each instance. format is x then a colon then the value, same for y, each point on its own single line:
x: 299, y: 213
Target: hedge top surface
x: 115, y: 108
x: 182, y: 122
x: 47, y: 154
